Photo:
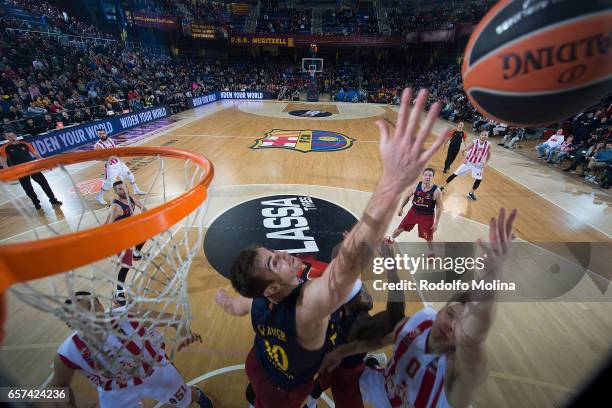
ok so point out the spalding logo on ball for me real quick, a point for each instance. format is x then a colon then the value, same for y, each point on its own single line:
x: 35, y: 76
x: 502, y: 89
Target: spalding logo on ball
x: 536, y: 62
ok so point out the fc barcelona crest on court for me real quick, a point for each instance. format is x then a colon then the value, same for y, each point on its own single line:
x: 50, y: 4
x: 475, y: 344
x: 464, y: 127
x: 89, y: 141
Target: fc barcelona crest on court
x: 304, y: 141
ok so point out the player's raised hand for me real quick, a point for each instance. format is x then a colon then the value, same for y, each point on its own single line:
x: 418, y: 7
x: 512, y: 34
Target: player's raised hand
x: 221, y: 297
x: 189, y: 338
x: 403, y: 151
x: 500, y: 236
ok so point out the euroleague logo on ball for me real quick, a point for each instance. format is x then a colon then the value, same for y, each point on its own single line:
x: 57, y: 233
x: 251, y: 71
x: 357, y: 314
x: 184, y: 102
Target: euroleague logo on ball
x: 300, y: 225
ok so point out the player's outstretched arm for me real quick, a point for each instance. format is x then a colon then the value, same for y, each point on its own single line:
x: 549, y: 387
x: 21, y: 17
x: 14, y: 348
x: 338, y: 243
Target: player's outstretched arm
x: 113, y: 213
x: 62, y: 377
x: 412, y: 189
x: 235, y: 306
x: 403, y: 157
x: 334, y: 358
x: 477, y: 317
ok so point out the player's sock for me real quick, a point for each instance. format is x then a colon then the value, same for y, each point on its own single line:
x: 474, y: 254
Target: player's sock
x: 203, y: 401
x: 100, y: 197
x: 376, y: 360
x: 136, y: 254
x: 250, y: 395
x: 311, y: 402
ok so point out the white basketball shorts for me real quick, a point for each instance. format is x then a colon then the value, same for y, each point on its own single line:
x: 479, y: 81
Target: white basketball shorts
x: 476, y: 169
x: 165, y: 385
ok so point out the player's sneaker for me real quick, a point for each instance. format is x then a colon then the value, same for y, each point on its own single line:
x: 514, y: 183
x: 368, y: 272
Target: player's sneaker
x: 472, y: 196
x: 136, y: 254
x: 310, y: 403
x: 203, y: 400
x: 138, y: 191
x: 100, y: 197
x: 119, y: 297
x: 389, y: 240
x: 380, y: 358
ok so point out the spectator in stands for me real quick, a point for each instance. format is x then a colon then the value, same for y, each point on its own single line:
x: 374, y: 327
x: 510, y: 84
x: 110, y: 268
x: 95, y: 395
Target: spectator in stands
x: 566, y: 147
x: 55, y: 107
x: 13, y: 114
x: 511, y: 139
x: 7, y: 125
x: 553, y: 142
x: 31, y: 128
x: 501, y: 128
x: 583, y: 155
x: 48, y: 123
x: 601, y: 159
x: 35, y: 110
x: 65, y: 118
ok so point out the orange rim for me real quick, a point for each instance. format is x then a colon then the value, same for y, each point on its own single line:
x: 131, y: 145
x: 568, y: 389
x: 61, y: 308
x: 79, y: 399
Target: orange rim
x: 24, y: 261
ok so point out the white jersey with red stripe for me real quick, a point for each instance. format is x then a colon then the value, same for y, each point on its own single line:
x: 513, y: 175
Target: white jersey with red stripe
x: 108, y: 144
x: 76, y: 355
x: 413, y: 377
x: 478, y: 152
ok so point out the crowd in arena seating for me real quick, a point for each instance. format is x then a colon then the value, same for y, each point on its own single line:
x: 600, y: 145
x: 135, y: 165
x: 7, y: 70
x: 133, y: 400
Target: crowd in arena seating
x: 588, y: 143
x: 443, y: 16
x: 53, y: 16
x: 206, y: 12
x: 164, y: 7
x: 284, y: 21
x: 48, y: 82
x: 349, y: 21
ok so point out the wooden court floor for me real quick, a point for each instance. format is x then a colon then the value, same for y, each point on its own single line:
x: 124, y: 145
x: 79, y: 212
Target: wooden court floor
x: 539, y: 352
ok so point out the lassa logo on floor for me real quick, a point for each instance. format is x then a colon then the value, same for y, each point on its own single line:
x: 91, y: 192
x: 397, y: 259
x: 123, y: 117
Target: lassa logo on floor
x: 300, y: 225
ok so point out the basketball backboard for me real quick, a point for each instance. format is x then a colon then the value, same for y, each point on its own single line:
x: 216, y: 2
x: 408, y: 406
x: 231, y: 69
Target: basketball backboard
x: 312, y: 65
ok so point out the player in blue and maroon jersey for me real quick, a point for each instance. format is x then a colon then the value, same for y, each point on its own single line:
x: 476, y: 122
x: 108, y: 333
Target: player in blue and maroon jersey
x: 425, y: 211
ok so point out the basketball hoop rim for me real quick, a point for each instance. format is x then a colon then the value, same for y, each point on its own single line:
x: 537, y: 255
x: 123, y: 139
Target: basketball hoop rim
x: 24, y: 261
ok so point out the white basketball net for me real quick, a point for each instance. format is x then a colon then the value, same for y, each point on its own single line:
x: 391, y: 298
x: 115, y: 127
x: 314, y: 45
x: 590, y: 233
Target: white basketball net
x: 128, y: 337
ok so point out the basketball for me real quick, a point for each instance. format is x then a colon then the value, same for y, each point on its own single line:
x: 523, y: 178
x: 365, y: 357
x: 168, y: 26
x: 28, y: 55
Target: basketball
x: 538, y: 62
